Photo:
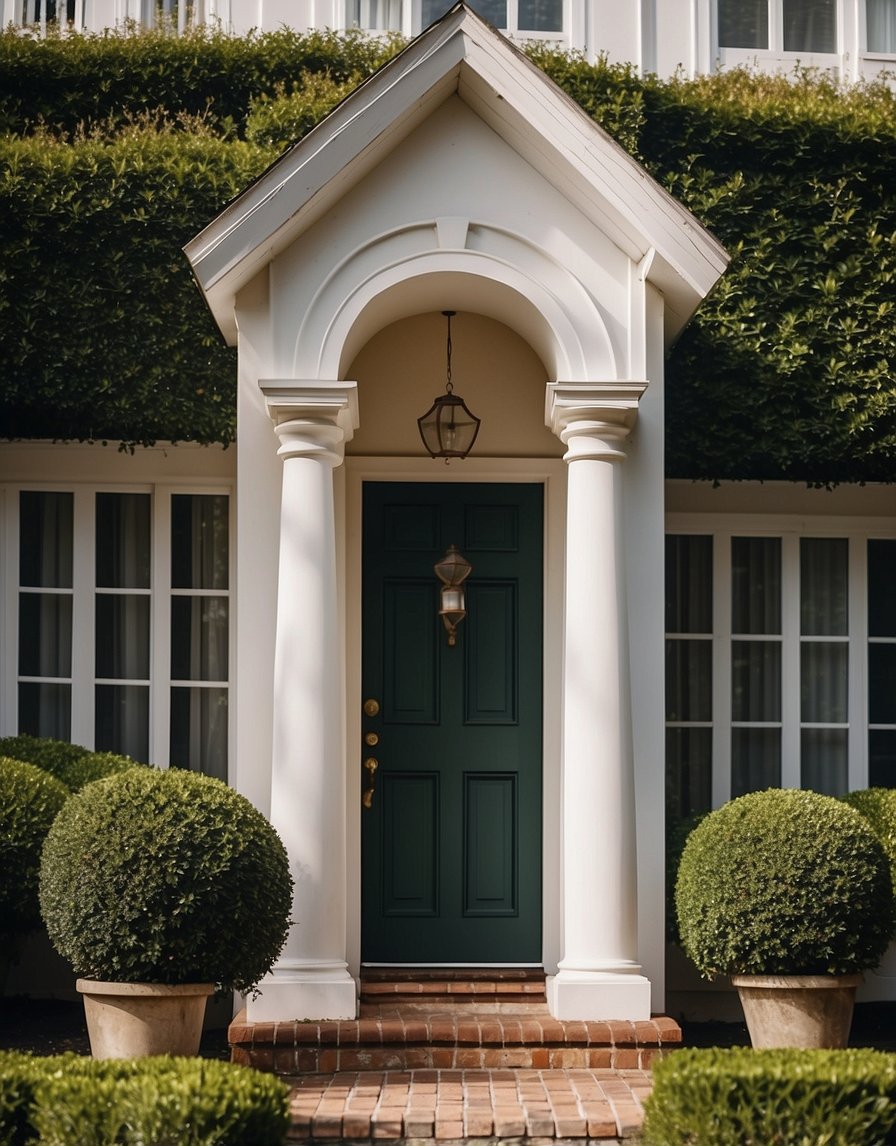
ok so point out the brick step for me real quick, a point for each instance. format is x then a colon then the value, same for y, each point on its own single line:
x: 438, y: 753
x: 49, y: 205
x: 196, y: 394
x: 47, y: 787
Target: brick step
x: 413, y: 1040
x: 458, y: 989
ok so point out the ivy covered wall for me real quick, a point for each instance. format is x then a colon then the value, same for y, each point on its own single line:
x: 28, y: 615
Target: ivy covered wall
x: 118, y: 149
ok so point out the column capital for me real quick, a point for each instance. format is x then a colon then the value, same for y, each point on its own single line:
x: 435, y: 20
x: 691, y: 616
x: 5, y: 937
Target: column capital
x: 593, y: 419
x: 313, y: 418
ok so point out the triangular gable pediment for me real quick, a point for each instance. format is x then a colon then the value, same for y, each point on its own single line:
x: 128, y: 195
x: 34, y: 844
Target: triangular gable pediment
x: 459, y: 55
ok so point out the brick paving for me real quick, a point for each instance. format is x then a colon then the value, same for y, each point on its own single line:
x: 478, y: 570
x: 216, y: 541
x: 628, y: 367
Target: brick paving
x: 449, y: 1105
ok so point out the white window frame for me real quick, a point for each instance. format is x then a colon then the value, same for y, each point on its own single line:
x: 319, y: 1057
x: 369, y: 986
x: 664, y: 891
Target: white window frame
x: 84, y: 590
x: 774, y: 57
x: 412, y: 22
x: 857, y: 531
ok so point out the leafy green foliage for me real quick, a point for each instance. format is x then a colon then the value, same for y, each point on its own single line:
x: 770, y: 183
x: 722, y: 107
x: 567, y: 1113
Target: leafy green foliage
x: 73, y: 84
x: 30, y: 800
x: 122, y: 147
x: 774, y: 1097
x: 280, y: 119
x: 784, y: 882
x: 878, y: 807
x: 65, y: 1099
x: 73, y: 765
x: 165, y: 877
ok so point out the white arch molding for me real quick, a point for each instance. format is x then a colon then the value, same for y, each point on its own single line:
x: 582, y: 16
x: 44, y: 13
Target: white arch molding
x: 401, y: 273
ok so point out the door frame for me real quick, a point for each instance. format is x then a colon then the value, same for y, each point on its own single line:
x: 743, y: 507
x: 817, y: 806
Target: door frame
x: 350, y: 479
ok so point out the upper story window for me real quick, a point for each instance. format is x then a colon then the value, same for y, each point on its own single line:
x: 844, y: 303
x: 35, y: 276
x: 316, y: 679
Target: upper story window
x: 807, y: 26
x: 526, y: 18
x: 880, y: 25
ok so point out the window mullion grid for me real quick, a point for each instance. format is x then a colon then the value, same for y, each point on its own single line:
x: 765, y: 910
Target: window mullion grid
x: 9, y: 611
x: 857, y: 696
x: 160, y: 629
x: 776, y: 25
x: 791, y: 708
x: 83, y: 618
x: 721, y: 669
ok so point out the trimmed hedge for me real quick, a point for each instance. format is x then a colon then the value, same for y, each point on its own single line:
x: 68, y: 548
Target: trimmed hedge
x: 784, y: 882
x: 71, y: 764
x: 30, y: 800
x: 784, y: 373
x: 62, y: 1100
x: 772, y: 1098
x: 78, y: 83
x: 165, y: 877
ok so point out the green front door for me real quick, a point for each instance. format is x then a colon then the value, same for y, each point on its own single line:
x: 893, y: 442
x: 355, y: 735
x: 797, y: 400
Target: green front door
x: 451, y: 812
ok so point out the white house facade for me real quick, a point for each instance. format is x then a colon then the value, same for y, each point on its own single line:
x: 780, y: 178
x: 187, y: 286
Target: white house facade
x: 269, y: 612
x: 850, y: 39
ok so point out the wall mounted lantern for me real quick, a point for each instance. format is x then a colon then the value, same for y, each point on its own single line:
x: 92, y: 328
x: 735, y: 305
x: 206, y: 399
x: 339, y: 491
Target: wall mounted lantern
x: 448, y: 428
x: 452, y: 571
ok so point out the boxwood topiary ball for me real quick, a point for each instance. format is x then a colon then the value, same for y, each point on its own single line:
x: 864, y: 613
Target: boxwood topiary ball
x: 878, y: 807
x: 30, y: 800
x: 165, y: 877
x: 784, y: 882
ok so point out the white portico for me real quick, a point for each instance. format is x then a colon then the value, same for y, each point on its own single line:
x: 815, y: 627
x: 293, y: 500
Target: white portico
x: 458, y: 177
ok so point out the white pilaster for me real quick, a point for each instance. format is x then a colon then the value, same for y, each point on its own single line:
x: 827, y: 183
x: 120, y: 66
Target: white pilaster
x: 599, y: 976
x: 310, y: 979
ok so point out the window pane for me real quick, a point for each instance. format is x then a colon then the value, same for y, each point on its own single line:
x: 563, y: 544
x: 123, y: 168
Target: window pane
x: 122, y: 637
x: 540, y: 16
x: 882, y: 684
x: 688, y: 584
x: 756, y: 584
x: 810, y: 25
x: 755, y: 759
x: 743, y: 23
x: 824, y: 667
x: 689, y: 680
x: 495, y: 11
x: 122, y: 720
x: 46, y: 522
x: 882, y: 588
x: 383, y: 15
x: 688, y: 771
x: 122, y: 540
x: 199, y: 542
x: 199, y: 630
x: 881, y: 758
x: 823, y: 760
x: 45, y: 634
x: 881, y: 20
x: 199, y: 730
x: 824, y: 582
x: 46, y: 710
x: 756, y: 680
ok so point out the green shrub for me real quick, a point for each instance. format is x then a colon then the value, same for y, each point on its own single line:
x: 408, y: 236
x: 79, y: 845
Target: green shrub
x: 740, y: 1096
x: 30, y: 800
x: 784, y: 882
x: 878, y: 807
x: 166, y: 877
x: 282, y: 118
x: 73, y: 765
x: 66, y: 1100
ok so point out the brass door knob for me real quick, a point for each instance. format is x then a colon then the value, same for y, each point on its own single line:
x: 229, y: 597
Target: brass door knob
x: 371, y: 765
x: 371, y: 707
x: 371, y: 739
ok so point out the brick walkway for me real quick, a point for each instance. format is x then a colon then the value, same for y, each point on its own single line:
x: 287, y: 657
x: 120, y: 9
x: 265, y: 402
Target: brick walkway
x: 448, y: 1105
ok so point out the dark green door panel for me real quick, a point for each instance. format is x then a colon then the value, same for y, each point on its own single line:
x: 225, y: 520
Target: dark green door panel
x: 451, y: 842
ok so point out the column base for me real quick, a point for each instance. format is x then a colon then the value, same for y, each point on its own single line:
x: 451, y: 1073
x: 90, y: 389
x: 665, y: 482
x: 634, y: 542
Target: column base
x: 599, y: 995
x: 297, y: 990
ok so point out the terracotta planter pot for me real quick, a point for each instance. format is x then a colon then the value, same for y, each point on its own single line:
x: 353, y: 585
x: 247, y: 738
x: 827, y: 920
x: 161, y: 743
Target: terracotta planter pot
x: 133, y: 1020
x: 797, y: 1010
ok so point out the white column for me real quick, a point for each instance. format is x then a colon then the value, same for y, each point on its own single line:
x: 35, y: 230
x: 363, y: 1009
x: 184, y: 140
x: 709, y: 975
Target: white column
x: 599, y: 976
x: 310, y: 979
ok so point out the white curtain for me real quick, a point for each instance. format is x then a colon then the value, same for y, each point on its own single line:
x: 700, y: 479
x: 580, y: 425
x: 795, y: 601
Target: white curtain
x: 810, y: 26
x: 880, y: 18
